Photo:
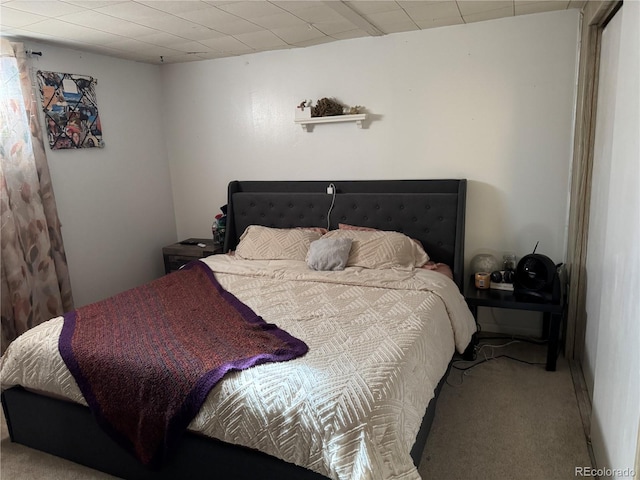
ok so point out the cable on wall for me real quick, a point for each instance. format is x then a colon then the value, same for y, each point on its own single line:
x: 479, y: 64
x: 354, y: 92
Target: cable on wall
x: 331, y: 190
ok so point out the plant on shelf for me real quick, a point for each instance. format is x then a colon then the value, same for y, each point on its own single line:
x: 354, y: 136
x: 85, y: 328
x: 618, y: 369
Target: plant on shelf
x: 327, y: 107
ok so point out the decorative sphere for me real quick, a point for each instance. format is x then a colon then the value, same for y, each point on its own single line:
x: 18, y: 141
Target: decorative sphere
x: 484, y: 262
x: 508, y: 276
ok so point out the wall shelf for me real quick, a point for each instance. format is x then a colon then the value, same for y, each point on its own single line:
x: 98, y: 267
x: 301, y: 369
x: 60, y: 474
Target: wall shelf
x: 358, y: 118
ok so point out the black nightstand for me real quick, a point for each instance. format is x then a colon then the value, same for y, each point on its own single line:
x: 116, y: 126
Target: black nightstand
x: 178, y: 254
x: 553, y: 313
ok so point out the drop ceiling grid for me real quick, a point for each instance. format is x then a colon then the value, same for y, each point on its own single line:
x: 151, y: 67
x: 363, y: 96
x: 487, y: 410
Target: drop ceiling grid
x: 178, y: 31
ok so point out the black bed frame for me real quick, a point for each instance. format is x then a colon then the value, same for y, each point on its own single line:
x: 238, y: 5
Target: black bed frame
x: 432, y: 211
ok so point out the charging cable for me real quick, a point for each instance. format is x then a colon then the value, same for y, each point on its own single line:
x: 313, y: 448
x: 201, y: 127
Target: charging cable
x: 331, y: 190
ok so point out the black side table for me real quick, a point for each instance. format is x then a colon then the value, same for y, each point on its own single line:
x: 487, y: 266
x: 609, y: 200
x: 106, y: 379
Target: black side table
x: 553, y: 313
x: 178, y: 254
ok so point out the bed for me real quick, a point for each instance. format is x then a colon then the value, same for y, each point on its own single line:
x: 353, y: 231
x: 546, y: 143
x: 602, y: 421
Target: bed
x: 375, y: 421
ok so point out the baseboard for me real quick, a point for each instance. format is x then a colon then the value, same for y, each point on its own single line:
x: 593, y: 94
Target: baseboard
x: 584, y: 404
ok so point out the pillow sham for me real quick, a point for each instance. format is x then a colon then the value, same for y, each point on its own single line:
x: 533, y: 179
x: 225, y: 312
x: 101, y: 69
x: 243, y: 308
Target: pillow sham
x: 266, y: 243
x: 320, y: 230
x: 346, y: 226
x: 418, y: 248
x: 442, y: 268
x: 329, y: 253
x: 380, y: 249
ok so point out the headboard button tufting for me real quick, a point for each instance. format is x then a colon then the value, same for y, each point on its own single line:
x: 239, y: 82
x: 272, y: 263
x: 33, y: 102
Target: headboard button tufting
x: 428, y: 212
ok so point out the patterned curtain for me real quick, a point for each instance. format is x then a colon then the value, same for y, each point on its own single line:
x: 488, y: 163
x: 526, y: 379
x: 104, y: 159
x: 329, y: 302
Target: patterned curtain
x: 35, y: 277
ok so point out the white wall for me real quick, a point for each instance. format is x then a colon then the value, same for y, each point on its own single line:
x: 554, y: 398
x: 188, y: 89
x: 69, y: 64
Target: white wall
x: 114, y: 203
x: 612, y: 360
x: 492, y: 102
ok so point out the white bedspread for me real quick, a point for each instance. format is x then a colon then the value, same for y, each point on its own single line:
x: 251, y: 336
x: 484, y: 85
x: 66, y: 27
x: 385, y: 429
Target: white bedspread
x: 380, y: 340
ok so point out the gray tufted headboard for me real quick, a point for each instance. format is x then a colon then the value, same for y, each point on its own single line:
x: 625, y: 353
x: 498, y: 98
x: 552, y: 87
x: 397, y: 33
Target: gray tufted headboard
x: 432, y: 211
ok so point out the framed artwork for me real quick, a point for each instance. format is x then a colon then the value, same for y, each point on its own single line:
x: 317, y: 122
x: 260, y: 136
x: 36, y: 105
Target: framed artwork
x: 70, y: 109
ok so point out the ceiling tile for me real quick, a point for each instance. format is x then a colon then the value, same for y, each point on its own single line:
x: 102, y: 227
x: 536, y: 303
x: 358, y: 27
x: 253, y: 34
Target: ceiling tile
x: 239, y: 27
x: 185, y: 29
x: 392, y: 22
x: 295, y: 5
x: 439, y: 22
x: 43, y: 7
x: 221, y: 21
x: 368, y: 7
x: 143, y: 47
x: 162, y: 38
x: 18, y: 18
x: 522, y: 8
x: 189, y: 47
x: 250, y: 10
x: 315, y: 41
x: 296, y: 35
x: 76, y: 33
x: 261, y: 40
x: 107, y: 23
x: 91, y: 4
x: 213, y: 55
x: 331, y: 28
x: 488, y: 15
x: 317, y: 14
x: 430, y: 11
x: 211, y: 17
x: 279, y: 20
x: 471, y: 7
x: 577, y: 3
x: 22, y: 34
x: 175, y: 7
x: 356, y: 33
x: 228, y: 45
x: 134, y: 12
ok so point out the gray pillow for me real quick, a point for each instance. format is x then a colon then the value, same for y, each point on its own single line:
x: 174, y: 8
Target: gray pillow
x: 329, y: 253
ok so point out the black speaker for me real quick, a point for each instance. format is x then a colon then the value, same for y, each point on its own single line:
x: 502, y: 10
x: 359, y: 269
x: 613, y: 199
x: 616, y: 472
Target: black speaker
x: 536, y: 279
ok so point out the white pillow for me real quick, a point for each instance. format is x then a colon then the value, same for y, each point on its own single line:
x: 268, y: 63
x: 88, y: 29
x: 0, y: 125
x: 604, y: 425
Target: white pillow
x: 265, y: 243
x: 329, y: 253
x: 381, y: 249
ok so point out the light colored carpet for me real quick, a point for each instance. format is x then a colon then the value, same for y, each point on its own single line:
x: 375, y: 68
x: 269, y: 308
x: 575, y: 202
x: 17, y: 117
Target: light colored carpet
x: 502, y: 420
x: 507, y: 420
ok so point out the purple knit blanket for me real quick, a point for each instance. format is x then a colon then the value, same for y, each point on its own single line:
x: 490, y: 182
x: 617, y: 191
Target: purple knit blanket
x: 146, y: 359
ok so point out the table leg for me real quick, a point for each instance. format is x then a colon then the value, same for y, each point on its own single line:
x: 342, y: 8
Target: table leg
x: 470, y: 352
x: 552, y: 349
x: 545, y: 325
